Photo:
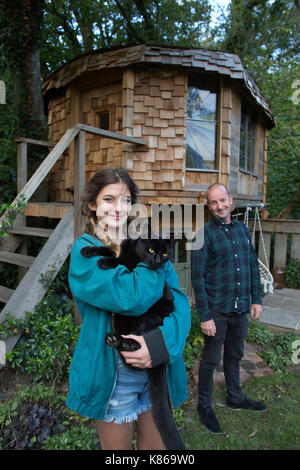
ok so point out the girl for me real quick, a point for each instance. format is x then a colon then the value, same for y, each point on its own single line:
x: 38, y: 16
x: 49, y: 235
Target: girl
x: 101, y: 386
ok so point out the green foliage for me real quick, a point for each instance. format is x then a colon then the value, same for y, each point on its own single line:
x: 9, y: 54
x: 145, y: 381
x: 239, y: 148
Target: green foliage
x: 194, y: 343
x: 259, y: 333
x: 85, y: 25
x: 70, y: 432
x: 8, y: 126
x: 178, y: 414
x: 28, y: 394
x: 266, y: 36
x: 76, y: 438
x: 46, y: 347
x: 12, y: 210
x: 277, y: 350
x: 292, y: 274
x: 279, y: 356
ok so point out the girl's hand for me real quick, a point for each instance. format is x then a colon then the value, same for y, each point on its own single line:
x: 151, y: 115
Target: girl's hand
x: 139, y: 358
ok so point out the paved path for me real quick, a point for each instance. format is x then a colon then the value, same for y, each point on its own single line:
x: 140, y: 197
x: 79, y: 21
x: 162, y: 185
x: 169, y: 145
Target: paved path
x: 282, y: 308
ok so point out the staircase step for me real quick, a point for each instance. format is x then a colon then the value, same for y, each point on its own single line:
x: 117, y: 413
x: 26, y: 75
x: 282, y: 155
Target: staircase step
x: 15, y: 258
x: 35, y: 231
x: 30, y: 291
x: 5, y: 294
x: 54, y: 210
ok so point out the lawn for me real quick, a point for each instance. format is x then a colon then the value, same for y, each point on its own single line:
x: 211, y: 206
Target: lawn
x: 276, y: 428
x: 34, y: 383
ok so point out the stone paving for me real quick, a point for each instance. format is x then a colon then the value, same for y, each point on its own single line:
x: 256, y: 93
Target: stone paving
x: 282, y: 308
x: 251, y: 366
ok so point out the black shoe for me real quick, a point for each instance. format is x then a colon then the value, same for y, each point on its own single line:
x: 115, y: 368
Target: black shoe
x: 248, y: 404
x: 209, y: 420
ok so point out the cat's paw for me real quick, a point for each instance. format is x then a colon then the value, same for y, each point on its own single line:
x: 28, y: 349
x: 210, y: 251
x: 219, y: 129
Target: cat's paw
x: 88, y: 251
x: 112, y: 340
x: 117, y: 341
x: 108, y: 263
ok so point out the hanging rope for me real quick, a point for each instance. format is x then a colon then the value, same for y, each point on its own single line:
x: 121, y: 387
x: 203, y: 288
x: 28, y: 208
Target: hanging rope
x: 266, y: 277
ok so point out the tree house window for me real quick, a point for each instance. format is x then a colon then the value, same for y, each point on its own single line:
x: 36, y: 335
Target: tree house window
x: 104, y: 120
x: 201, y: 131
x: 247, y: 140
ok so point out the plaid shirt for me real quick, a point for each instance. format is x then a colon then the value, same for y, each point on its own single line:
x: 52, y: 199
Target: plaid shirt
x: 225, y: 271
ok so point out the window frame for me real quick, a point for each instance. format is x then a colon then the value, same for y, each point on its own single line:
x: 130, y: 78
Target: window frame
x: 210, y: 84
x: 248, y: 116
x: 100, y: 110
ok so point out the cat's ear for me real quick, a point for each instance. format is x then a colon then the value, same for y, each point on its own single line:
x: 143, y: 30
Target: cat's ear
x: 140, y: 247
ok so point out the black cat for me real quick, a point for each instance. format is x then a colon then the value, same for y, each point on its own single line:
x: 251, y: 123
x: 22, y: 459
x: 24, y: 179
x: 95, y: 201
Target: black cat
x: 153, y: 252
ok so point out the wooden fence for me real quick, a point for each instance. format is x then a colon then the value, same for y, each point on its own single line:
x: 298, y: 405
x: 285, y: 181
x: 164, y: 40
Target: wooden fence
x: 281, y: 239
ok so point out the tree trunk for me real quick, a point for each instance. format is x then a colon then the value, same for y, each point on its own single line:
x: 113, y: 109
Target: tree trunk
x: 21, y: 27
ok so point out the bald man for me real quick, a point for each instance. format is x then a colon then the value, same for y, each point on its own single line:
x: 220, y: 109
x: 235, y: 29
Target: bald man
x: 226, y: 284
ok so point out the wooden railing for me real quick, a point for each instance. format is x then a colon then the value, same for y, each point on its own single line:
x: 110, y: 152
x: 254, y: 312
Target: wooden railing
x: 78, y: 132
x: 281, y: 239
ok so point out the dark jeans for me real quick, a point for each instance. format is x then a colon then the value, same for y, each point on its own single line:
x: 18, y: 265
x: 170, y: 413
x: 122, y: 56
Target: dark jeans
x: 230, y: 331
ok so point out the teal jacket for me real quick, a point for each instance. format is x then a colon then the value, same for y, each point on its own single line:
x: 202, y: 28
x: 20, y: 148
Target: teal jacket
x: 99, y: 292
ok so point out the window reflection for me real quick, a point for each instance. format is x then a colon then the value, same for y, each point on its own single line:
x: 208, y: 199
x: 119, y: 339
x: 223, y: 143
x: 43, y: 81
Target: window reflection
x: 201, y: 128
x: 247, y: 140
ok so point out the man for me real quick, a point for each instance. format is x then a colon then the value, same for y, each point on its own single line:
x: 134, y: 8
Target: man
x: 226, y: 283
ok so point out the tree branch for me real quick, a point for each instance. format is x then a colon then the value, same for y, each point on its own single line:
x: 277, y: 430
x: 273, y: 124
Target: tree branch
x: 127, y: 19
x: 295, y: 48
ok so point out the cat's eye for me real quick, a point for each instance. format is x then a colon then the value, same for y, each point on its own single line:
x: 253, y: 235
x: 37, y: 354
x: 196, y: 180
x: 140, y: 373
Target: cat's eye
x: 151, y: 250
x: 165, y: 254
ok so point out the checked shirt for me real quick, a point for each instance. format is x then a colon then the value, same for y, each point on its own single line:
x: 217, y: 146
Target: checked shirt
x: 225, y: 272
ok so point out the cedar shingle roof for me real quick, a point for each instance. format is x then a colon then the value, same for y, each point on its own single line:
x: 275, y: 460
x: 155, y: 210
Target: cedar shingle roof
x: 223, y: 63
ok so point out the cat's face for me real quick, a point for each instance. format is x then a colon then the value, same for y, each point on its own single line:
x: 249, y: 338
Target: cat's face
x: 154, y: 252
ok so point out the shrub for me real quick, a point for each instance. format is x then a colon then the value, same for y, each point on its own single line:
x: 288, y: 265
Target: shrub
x: 279, y: 356
x: 49, y: 334
x: 292, y: 274
x: 277, y: 349
x: 258, y: 333
x: 194, y: 342
x: 76, y: 438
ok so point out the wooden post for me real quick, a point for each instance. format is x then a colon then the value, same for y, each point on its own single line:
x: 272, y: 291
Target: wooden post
x: 22, y: 165
x: 21, y: 181
x: 79, y: 184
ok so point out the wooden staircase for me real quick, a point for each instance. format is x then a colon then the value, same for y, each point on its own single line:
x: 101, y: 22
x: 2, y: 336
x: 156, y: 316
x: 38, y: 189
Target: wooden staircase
x: 30, y: 290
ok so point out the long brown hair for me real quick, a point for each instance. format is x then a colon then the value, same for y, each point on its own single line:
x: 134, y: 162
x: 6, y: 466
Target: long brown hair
x: 93, y: 188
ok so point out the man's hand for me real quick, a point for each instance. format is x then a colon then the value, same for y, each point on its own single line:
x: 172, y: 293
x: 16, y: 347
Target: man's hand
x: 208, y: 327
x: 141, y: 357
x: 256, y: 311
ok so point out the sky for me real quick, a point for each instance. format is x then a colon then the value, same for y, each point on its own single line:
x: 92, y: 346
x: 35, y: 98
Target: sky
x: 217, y: 6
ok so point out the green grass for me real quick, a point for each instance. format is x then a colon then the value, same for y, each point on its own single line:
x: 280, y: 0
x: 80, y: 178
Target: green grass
x: 278, y: 428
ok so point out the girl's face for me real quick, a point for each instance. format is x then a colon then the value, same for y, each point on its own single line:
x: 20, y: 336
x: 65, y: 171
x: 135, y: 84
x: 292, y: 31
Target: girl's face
x: 113, y: 205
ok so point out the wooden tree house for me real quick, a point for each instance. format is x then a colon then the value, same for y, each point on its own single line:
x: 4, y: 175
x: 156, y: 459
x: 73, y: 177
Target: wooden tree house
x: 178, y: 119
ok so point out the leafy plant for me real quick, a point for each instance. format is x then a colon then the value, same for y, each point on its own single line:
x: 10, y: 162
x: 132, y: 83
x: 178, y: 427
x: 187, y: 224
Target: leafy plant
x: 194, y: 343
x: 76, y: 438
x: 277, y: 349
x: 49, y: 334
x: 12, y: 210
x: 292, y: 273
x: 279, y: 356
x: 36, y: 415
x: 258, y: 333
x: 33, y: 427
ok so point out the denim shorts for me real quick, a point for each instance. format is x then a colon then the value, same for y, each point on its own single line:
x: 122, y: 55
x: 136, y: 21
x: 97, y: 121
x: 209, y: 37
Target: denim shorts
x: 131, y: 396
